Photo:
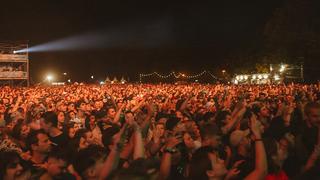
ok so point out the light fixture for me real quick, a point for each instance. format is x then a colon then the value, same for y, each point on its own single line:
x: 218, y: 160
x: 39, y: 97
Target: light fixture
x: 254, y: 77
x: 49, y: 78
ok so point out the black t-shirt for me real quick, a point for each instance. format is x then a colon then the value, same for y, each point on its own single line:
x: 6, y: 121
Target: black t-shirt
x: 278, y: 129
x: 35, y: 171
x: 246, y: 167
x: 309, y: 137
x: 60, y: 141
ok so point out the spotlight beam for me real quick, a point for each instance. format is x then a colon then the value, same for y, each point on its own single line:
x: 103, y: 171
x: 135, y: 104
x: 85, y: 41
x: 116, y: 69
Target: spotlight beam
x: 134, y: 34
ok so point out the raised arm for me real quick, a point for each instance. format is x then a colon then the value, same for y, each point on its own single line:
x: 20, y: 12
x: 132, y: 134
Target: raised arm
x: 112, y: 160
x: 117, y: 116
x: 234, y: 119
x: 138, y: 106
x: 165, y: 166
x: 138, y: 150
x: 314, y: 156
x: 261, y: 168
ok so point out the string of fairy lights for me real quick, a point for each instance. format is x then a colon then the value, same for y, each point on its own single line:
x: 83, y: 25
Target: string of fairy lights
x: 178, y: 75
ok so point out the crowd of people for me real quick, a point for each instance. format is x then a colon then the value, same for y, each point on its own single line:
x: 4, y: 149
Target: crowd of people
x: 164, y: 131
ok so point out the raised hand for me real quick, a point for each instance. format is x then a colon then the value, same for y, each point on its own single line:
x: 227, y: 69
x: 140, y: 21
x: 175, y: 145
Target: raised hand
x: 255, y: 126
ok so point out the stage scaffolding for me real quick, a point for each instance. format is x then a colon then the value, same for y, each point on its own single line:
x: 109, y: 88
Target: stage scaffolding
x: 14, y: 67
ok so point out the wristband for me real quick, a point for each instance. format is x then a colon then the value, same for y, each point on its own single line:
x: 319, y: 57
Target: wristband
x: 170, y: 150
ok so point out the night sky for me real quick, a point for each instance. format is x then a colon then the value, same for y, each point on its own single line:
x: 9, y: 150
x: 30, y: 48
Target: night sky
x: 134, y: 36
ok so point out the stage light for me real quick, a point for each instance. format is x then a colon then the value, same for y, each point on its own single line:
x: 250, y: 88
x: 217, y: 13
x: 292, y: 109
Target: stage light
x: 14, y: 52
x: 245, y: 77
x: 282, y: 68
x: 276, y: 77
x: 65, y: 74
x: 49, y: 78
x: 259, y: 76
x: 69, y: 80
x: 265, y: 76
x: 254, y: 77
x: 102, y: 83
x: 238, y: 78
x: 92, y: 77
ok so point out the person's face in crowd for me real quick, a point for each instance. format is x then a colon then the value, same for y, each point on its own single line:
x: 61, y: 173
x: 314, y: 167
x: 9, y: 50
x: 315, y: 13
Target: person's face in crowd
x: 5, y: 101
x: 213, y: 141
x: 94, y: 171
x: 86, y: 140
x: 2, y: 109
x: 219, y: 169
x: 11, y: 125
x: 120, y: 102
x: 189, y: 106
x: 96, y: 105
x: 111, y: 113
x: 162, y: 120
x: 314, y: 116
x: 71, y: 107
x: 89, y: 138
x: 44, y: 144
x: 72, y: 115
x: 72, y: 132
x: 246, y: 142
x: 83, y: 107
x: 51, y: 107
x: 13, y: 170
x: 56, y: 167
x: 188, y: 141
x: 264, y: 112
x: 251, y: 97
x: 92, y: 120
x: 61, y: 117
x: 228, y: 119
x: 63, y: 108
x: 160, y: 129
x: 25, y: 130
x: 179, y: 115
x: 44, y: 126
x: 185, y: 118
x: 88, y: 107
x: 77, y: 126
x: 195, y: 129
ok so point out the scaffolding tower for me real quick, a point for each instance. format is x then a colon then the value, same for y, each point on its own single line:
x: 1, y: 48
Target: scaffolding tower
x: 14, y: 67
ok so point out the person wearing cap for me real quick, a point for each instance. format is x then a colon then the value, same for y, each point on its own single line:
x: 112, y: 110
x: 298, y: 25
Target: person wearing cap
x: 241, y: 142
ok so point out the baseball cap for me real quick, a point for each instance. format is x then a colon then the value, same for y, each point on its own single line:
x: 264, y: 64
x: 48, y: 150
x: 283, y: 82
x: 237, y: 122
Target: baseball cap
x: 237, y: 135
